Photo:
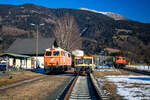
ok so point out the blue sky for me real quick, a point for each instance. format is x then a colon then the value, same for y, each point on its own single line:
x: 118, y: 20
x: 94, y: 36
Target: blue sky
x: 138, y: 10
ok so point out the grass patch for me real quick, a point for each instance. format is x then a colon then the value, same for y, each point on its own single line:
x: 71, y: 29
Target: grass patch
x: 115, y: 72
x: 109, y: 86
x: 111, y: 90
x: 36, y: 90
x: 17, y: 76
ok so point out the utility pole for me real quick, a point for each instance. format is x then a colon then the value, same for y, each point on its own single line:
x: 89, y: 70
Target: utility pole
x: 37, y: 39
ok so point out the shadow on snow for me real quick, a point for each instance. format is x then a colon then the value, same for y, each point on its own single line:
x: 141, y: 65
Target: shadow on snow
x: 141, y: 78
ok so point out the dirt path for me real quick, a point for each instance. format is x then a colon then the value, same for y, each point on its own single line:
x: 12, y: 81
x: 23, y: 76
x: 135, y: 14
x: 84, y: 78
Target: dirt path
x: 36, y: 90
x: 15, y: 76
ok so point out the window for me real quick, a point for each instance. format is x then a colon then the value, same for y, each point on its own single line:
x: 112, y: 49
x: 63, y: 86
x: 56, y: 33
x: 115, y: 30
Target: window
x: 79, y: 61
x: 69, y: 55
x: 88, y: 61
x: 56, y: 53
x: 118, y: 58
x: 62, y: 53
x: 48, y: 53
x: 66, y: 54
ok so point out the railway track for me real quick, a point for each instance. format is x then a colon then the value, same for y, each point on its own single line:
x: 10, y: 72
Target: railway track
x: 82, y: 88
x: 137, y: 71
x: 15, y: 84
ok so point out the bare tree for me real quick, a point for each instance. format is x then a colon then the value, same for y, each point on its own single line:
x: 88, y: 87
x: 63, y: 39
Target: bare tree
x: 67, y: 33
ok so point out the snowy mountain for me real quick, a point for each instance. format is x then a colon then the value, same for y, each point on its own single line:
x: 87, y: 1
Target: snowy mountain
x: 115, y: 16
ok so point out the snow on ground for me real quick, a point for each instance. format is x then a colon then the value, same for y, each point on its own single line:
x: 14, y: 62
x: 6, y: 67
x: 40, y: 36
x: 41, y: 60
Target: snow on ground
x: 141, y: 67
x: 132, y: 87
x: 107, y: 69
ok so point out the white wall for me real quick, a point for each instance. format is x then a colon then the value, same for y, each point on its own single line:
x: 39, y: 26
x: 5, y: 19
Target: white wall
x: 41, y: 60
x: 11, y: 61
x: 27, y: 63
x: 18, y: 63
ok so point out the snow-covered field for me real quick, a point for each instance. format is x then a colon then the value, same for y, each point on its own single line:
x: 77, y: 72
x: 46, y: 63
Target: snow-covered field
x: 131, y: 87
x: 141, y: 67
x: 109, y: 69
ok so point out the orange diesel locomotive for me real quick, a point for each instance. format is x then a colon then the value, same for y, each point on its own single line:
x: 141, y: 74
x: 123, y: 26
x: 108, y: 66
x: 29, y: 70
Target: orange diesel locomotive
x: 56, y: 59
x: 119, y: 61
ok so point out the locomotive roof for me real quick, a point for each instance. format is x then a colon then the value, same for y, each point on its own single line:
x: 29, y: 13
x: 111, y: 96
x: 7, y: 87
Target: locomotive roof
x: 83, y: 56
x: 56, y: 49
x: 28, y: 46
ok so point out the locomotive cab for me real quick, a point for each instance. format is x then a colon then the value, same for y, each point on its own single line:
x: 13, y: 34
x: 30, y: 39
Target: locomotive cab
x: 83, y: 64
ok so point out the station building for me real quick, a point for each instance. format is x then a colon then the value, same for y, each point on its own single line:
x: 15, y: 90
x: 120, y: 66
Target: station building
x: 24, y: 53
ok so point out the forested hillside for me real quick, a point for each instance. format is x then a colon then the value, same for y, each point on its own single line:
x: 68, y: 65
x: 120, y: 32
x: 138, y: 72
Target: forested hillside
x: 98, y: 31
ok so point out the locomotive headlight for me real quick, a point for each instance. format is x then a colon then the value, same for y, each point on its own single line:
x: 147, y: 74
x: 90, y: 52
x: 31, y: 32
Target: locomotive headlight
x: 52, y: 60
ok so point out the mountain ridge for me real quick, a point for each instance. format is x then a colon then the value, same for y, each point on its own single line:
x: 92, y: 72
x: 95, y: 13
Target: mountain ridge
x: 125, y: 35
x: 113, y: 15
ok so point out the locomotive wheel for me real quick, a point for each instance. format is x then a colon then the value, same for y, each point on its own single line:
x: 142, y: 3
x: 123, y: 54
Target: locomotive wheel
x: 47, y: 71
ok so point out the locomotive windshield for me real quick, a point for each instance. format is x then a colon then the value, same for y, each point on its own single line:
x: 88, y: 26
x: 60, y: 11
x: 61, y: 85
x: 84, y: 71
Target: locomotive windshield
x: 48, y: 53
x: 56, y: 53
x: 88, y: 61
x: 79, y: 61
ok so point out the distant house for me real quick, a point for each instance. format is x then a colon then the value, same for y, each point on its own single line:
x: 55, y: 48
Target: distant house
x: 28, y: 47
x: 112, y: 51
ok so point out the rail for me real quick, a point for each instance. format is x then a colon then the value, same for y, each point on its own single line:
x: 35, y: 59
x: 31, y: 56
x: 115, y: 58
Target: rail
x: 85, y: 88
x: 137, y: 71
x: 99, y: 93
x: 70, y: 89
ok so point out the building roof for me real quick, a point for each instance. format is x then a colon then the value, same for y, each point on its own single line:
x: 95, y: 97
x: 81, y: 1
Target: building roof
x: 28, y: 46
x: 14, y: 55
x: 111, y: 50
